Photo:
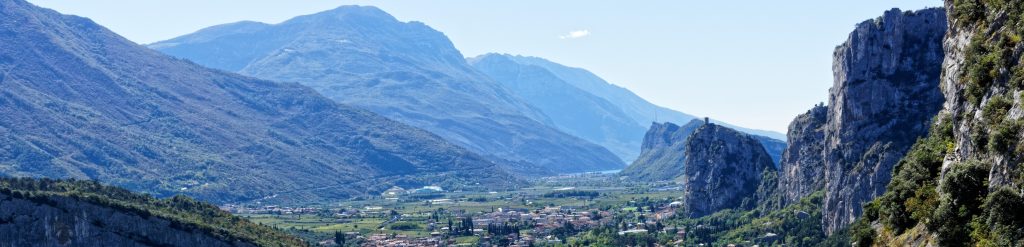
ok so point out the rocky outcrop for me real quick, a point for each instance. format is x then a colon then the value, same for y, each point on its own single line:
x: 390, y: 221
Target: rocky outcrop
x: 802, y: 166
x: 65, y: 221
x: 884, y: 96
x: 662, y: 153
x: 723, y: 169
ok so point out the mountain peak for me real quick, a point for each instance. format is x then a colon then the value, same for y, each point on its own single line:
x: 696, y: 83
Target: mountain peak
x: 357, y: 11
x: 363, y: 57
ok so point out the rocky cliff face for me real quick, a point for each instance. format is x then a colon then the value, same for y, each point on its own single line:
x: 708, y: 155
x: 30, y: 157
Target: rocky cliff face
x: 64, y: 221
x: 969, y: 166
x: 662, y: 153
x: 723, y: 169
x: 982, y: 83
x: 884, y: 96
x: 801, y: 165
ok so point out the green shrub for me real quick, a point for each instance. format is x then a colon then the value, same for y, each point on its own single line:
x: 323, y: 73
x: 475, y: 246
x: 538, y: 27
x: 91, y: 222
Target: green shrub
x: 966, y: 183
x: 968, y: 10
x: 996, y: 108
x: 1003, y: 136
x: 862, y: 234
x: 1003, y: 218
x: 964, y: 187
x: 871, y: 210
x: 910, y: 196
x: 923, y: 204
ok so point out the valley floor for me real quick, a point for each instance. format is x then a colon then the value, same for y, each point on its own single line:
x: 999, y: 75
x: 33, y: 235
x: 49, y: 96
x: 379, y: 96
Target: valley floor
x: 594, y: 209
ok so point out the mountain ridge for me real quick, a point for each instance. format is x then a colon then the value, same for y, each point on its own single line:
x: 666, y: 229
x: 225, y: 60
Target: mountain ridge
x: 642, y: 111
x: 86, y: 103
x: 406, y: 71
x: 571, y: 110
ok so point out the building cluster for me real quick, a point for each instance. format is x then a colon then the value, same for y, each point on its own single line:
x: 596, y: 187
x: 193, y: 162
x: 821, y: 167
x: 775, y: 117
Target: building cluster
x: 268, y: 209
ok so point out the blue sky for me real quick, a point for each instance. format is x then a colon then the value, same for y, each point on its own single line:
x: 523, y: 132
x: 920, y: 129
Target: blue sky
x: 752, y: 63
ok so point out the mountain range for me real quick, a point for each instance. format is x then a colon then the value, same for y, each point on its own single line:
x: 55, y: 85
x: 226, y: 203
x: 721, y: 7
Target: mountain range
x: 79, y: 101
x: 583, y: 104
x: 407, y: 71
x: 642, y: 111
x: 510, y: 107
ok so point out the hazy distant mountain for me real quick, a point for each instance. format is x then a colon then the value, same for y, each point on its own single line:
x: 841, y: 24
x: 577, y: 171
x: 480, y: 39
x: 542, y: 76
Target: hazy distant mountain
x: 80, y: 101
x: 663, y: 153
x: 582, y: 104
x: 642, y: 111
x: 774, y: 147
x: 572, y: 110
x: 404, y: 70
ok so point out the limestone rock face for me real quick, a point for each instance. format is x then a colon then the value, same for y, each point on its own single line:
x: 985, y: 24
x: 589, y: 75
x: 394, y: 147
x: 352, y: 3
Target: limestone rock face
x: 802, y: 162
x: 63, y: 221
x: 977, y: 122
x: 884, y: 97
x: 723, y: 169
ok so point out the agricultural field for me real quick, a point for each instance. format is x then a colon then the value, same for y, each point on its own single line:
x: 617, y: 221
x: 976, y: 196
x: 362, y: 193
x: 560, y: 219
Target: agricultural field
x: 579, y: 200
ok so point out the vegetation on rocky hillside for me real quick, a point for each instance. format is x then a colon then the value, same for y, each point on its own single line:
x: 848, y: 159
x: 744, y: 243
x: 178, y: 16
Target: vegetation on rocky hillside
x: 182, y: 211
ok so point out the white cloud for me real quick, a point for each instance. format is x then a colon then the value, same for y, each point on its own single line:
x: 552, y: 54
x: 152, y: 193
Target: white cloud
x: 576, y: 34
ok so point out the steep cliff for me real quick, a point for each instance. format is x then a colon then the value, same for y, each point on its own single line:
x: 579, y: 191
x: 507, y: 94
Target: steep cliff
x: 884, y: 95
x: 79, y: 213
x: 723, y: 169
x: 662, y: 153
x: 982, y: 83
x: 962, y: 185
x: 802, y: 168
